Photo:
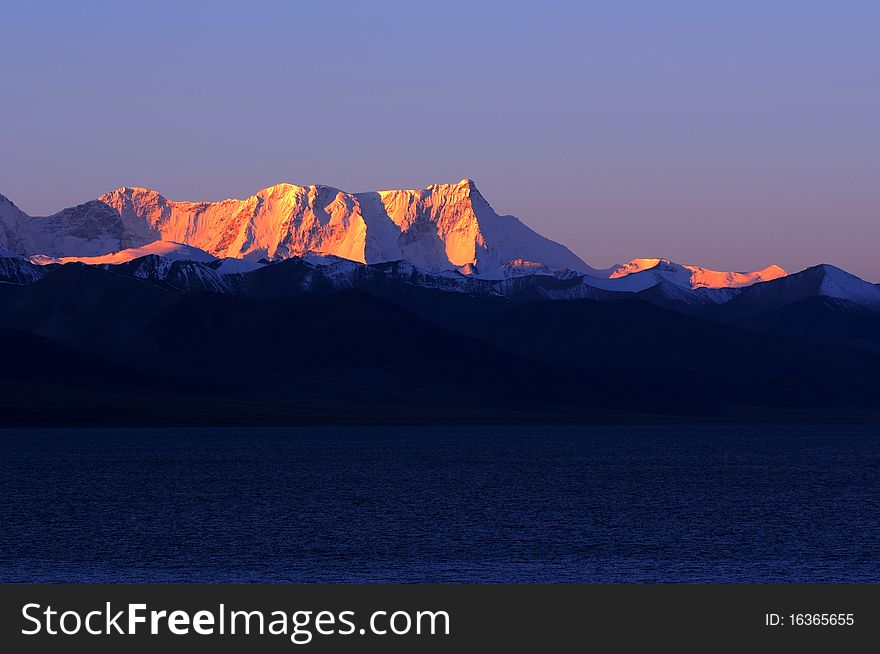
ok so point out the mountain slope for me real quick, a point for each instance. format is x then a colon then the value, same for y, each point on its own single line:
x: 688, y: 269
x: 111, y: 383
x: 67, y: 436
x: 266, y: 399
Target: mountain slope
x: 823, y: 319
x: 654, y: 358
x: 344, y: 348
x: 818, y: 281
x: 394, y: 349
x: 15, y: 230
x: 43, y: 382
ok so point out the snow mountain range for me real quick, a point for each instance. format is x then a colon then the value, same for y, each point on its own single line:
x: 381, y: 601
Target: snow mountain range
x: 445, y: 228
x: 445, y: 237
x: 442, y: 227
x: 301, y: 303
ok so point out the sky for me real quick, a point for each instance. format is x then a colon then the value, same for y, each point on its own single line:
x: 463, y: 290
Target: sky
x: 729, y: 135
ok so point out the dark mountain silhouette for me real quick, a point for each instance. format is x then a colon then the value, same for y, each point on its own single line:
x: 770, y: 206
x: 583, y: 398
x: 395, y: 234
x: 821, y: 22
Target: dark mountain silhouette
x: 116, y: 344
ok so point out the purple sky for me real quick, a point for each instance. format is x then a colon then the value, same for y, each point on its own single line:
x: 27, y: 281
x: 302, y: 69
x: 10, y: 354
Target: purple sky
x: 730, y: 137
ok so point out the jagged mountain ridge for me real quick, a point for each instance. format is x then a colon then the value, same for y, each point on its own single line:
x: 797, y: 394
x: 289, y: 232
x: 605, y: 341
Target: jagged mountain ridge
x: 442, y: 227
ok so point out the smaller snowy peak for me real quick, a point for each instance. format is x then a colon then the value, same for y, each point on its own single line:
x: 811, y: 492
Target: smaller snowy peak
x: 705, y: 278
x: 135, y: 190
x: 137, y: 194
x: 164, y: 249
x: 281, y: 190
x: 465, y: 184
x: 837, y: 283
x: 634, y: 266
x: 817, y: 281
x: 696, y: 276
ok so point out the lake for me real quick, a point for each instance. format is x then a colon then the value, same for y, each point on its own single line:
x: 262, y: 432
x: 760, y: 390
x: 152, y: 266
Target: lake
x: 441, y: 504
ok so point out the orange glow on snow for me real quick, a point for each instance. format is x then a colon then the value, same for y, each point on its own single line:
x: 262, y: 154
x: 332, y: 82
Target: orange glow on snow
x: 704, y: 277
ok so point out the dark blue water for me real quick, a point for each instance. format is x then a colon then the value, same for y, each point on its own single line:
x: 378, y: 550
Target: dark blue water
x: 432, y: 504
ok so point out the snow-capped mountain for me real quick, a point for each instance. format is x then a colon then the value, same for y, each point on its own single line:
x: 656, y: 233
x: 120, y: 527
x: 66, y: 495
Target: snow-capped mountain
x: 167, y: 250
x: 644, y: 273
x: 443, y: 227
x: 818, y: 281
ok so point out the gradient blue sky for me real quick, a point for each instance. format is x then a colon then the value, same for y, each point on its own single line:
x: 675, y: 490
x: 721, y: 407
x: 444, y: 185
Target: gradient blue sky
x: 730, y: 135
